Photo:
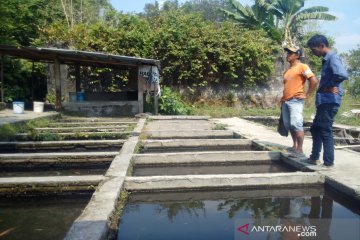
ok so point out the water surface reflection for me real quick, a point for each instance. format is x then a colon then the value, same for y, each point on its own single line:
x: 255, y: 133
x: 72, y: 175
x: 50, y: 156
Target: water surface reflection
x: 218, y: 215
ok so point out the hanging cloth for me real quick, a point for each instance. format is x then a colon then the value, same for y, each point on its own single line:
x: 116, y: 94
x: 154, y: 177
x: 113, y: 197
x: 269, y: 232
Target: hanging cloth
x: 152, y: 78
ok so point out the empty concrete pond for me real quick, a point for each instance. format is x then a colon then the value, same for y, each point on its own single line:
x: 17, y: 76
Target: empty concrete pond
x: 242, y: 214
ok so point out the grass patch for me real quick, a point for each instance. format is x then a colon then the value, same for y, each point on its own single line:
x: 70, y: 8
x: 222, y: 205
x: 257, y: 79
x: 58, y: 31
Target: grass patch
x: 220, y: 126
x: 130, y: 128
x: 348, y: 104
x: 115, y: 217
x: 221, y: 110
x: 8, y: 131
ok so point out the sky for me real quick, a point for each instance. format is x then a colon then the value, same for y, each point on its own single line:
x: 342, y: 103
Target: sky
x: 345, y: 30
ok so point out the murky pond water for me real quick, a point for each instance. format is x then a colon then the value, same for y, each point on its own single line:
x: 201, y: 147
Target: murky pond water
x: 252, y: 214
x: 211, y: 169
x: 34, y: 218
x: 51, y: 171
x: 14, y: 149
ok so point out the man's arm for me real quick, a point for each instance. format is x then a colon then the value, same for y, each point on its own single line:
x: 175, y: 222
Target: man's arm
x: 339, y: 72
x: 313, y: 82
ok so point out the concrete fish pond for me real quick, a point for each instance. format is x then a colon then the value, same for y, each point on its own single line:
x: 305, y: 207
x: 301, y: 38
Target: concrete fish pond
x: 41, y: 217
x: 70, y: 128
x: 211, y: 169
x: 192, y: 163
x: 49, y: 169
x: 177, y: 175
x: 60, y: 146
x: 68, y: 134
x: 318, y: 213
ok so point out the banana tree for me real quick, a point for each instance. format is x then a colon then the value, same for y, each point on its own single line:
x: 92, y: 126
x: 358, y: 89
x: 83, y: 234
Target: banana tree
x: 254, y: 17
x: 282, y: 19
x: 292, y: 16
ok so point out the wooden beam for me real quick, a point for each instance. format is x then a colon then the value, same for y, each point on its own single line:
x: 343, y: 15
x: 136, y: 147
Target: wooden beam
x: 57, y: 72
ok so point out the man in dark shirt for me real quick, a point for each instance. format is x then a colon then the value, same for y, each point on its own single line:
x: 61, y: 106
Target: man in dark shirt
x: 328, y: 100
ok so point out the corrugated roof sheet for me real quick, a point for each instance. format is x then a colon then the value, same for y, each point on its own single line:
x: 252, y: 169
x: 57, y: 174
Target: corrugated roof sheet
x: 67, y: 56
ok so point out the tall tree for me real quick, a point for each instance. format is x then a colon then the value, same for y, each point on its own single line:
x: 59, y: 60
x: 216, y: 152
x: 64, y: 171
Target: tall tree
x: 257, y: 16
x: 284, y: 16
x: 151, y: 10
x: 292, y: 16
x: 83, y: 11
x: 21, y: 19
x: 210, y: 9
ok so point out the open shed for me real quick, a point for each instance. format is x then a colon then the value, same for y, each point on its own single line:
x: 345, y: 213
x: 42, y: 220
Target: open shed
x: 96, y: 102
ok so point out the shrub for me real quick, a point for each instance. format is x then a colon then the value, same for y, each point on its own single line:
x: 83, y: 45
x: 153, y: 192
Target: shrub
x: 170, y: 103
x: 353, y: 87
x: 7, y: 132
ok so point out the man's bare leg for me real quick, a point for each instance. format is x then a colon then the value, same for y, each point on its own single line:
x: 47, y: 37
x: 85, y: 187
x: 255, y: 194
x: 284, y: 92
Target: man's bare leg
x: 294, y: 138
x: 299, y: 136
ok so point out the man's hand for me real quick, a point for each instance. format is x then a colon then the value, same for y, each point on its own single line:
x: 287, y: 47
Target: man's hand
x: 333, y: 90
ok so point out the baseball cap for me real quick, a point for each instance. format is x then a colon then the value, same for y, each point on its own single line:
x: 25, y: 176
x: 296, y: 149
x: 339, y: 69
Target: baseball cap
x: 294, y: 49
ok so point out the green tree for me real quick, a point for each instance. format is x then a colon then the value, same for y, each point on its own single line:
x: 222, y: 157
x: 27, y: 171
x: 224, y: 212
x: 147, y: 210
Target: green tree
x: 210, y: 9
x: 257, y: 16
x: 353, y: 63
x: 151, y: 10
x: 81, y: 11
x: 197, y: 53
x: 21, y: 23
x: 292, y: 15
x: 278, y: 16
x: 21, y: 19
x: 7, y: 24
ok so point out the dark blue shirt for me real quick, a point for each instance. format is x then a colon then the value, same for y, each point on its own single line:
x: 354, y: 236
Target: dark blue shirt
x: 333, y: 73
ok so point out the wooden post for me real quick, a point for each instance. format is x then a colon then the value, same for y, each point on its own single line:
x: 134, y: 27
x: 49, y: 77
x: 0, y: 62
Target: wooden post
x: 156, y: 103
x: 2, y: 76
x: 77, y: 77
x: 140, y: 93
x: 32, y: 81
x: 58, y: 105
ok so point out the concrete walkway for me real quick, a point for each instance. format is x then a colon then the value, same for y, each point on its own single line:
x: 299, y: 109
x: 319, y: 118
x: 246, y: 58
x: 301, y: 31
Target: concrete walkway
x: 8, y: 116
x: 344, y: 177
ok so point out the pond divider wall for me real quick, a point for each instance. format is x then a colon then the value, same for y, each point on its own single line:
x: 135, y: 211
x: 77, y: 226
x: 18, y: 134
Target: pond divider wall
x: 93, y: 223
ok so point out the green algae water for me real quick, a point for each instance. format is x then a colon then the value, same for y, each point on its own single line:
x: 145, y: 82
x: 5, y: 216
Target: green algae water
x: 35, y: 218
x: 252, y: 214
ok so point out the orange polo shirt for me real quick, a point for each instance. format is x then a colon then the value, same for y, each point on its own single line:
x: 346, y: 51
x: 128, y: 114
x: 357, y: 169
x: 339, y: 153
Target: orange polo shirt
x: 294, y: 81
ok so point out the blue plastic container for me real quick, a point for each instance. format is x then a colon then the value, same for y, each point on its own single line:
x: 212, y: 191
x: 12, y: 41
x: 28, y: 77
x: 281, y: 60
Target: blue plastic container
x: 80, y: 96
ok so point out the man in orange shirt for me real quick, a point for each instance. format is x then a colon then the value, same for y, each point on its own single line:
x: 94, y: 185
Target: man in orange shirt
x: 294, y: 97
